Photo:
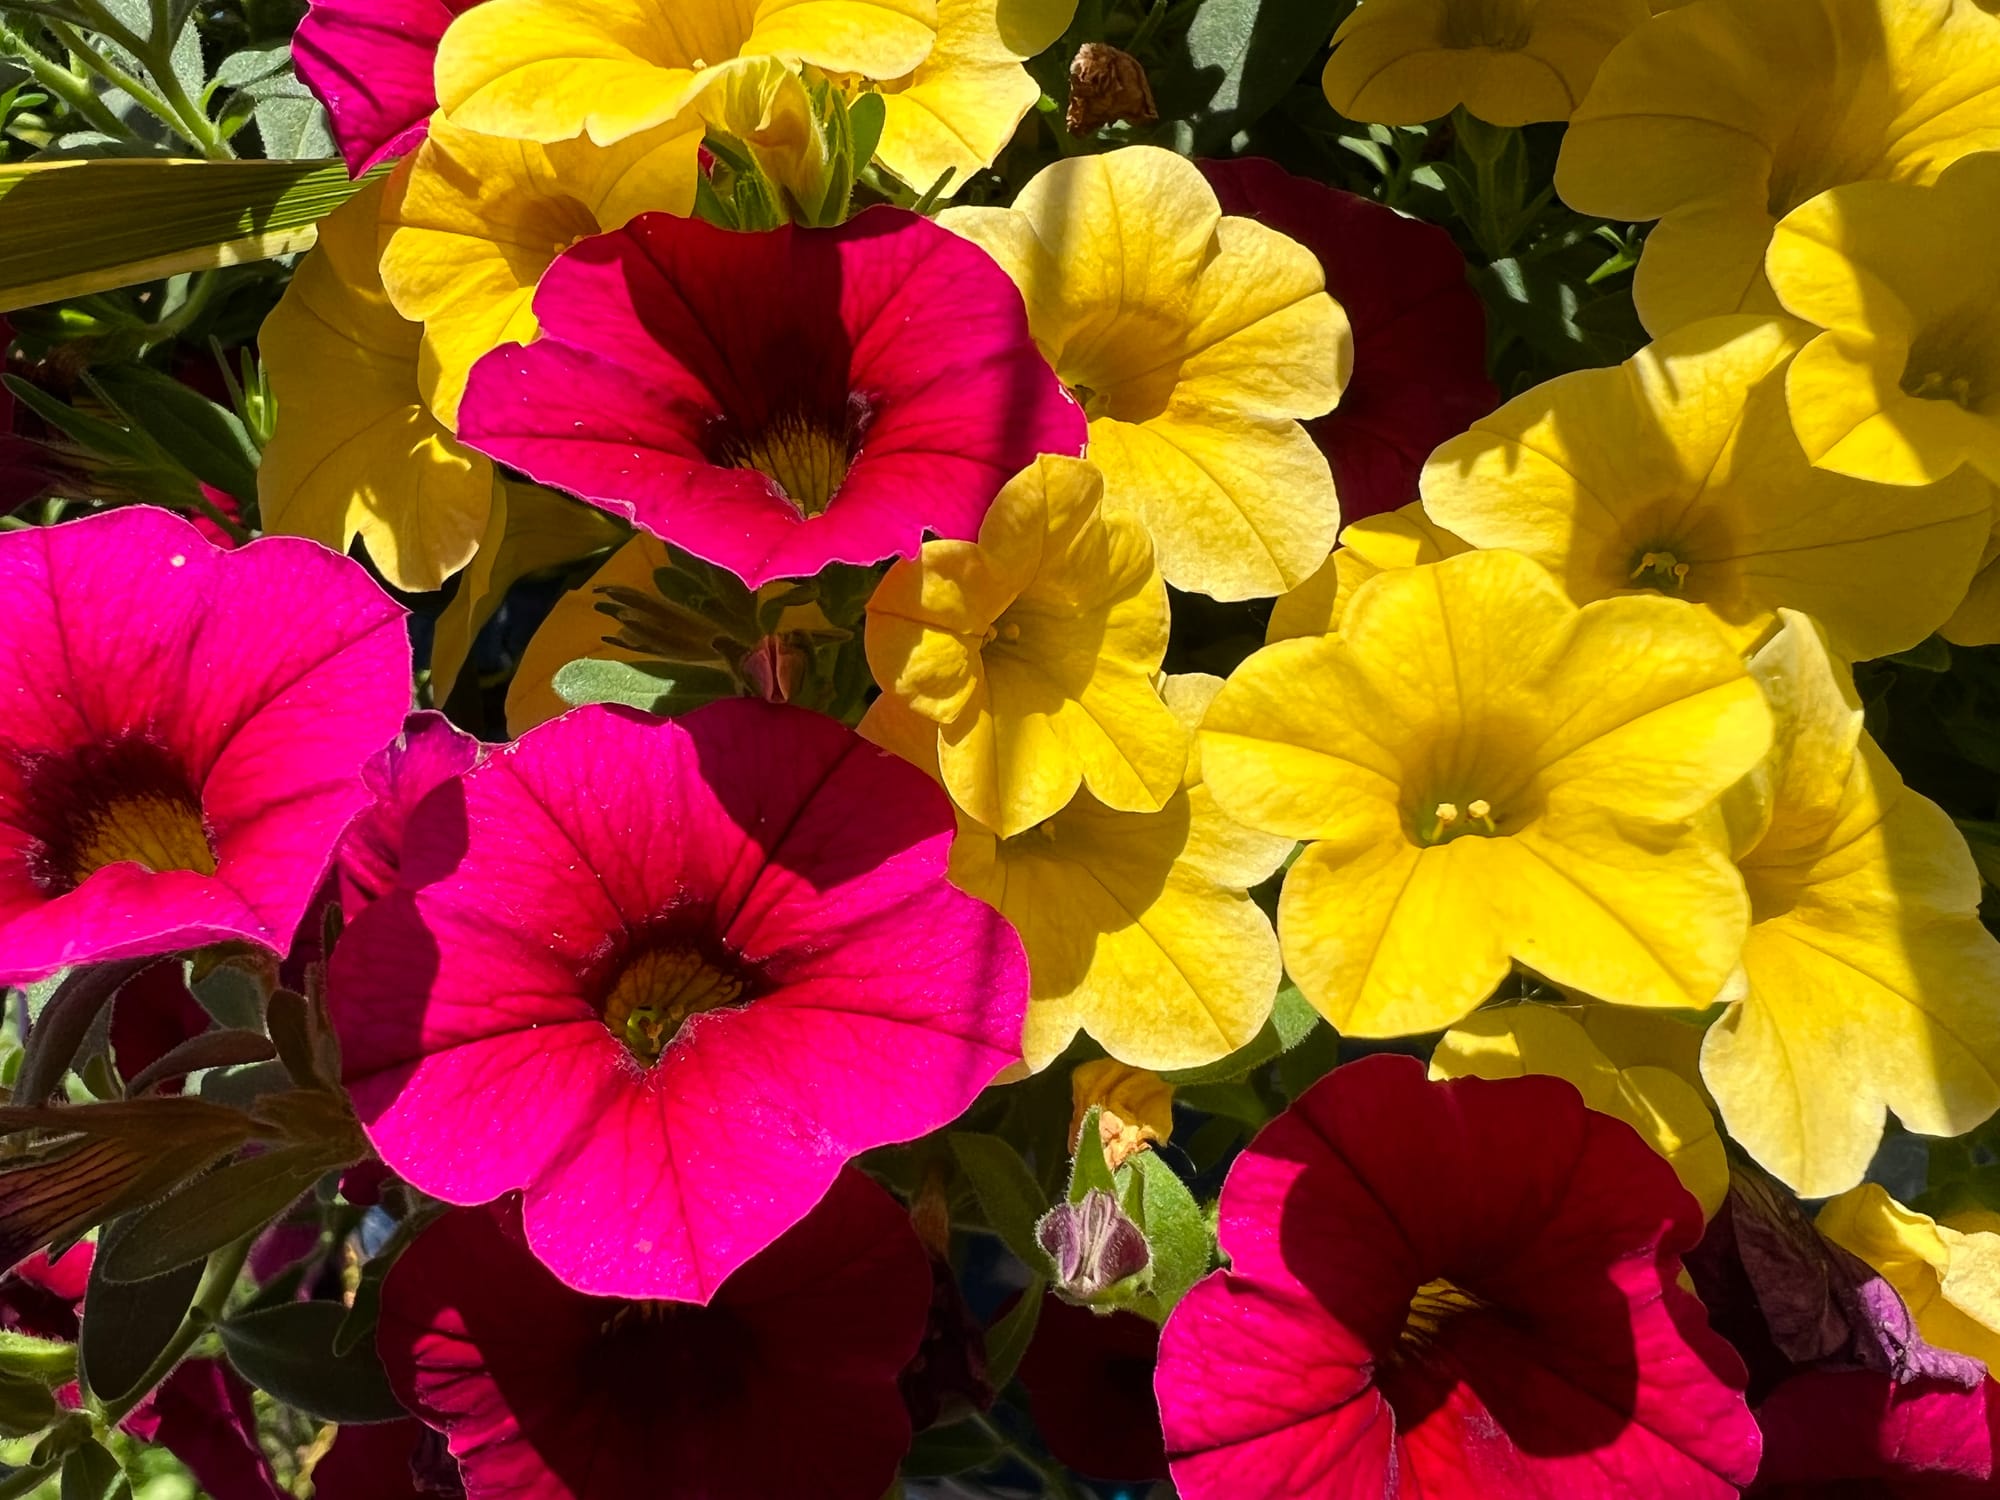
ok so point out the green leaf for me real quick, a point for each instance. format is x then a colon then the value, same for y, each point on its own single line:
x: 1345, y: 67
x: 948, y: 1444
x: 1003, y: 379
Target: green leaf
x: 26, y: 1405
x: 1931, y: 654
x: 1089, y: 1169
x: 211, y: 1211
x: 252, y: 64
x: 62, y: 1024
x: 69, y: 228
x: 658, y: 687
x: 288, y: 1352
x: 1008, y: 1339
x: 49, y: 1361
x: 962, y: 1448
x: 209, y: 440
x: 1008, y: 1194
x: 130, y: 1322
x: 865, y: 118
x: 91, y: 1473
x: 1175, y: 1231
x: 1238, y: 59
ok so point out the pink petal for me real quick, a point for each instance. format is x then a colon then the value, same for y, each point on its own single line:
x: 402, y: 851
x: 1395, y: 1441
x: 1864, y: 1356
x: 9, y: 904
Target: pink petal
x: 370, y: 62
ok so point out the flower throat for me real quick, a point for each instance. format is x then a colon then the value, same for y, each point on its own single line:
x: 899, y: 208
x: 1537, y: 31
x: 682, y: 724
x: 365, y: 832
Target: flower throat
x: 805, y: 457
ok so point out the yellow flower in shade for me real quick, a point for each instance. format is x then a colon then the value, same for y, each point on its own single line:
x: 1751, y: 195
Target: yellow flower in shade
x: 960, y: 108
x: 1509, y: 62
x: 474, y: 220
x: 1721, y: 118
x: 1139, y: 927
x: 1403, y: 538
x: 1678, y: 472
x: 576, y: 628
x: 1948, y: 1271
x: 1903, y: 383
x: 1194, y: 341
x: 1977, y: 621
x: 356, y: 451
x: 1136, y: 1107
x: 1489, y: 775
x: 1871, y: 984
x: 1033, y: 650
x: 1509, y: 1041
x: 549, y: 70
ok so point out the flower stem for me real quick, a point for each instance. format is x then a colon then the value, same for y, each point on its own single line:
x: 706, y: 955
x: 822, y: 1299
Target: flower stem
x: 58, y: 80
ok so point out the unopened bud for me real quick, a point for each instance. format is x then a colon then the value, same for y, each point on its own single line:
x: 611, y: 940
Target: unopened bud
x: 1135, y: 1107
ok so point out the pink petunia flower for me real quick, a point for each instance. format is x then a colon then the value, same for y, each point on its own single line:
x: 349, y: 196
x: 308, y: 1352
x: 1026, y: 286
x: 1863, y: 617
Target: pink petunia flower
x: 371, y: 63
x: 430, y: 751
x: 667, y: 976
x: 784, y: 1386
x: 775, y: 402
x: 1419, y: 328
x: 184, y: 734
x: 1462, y: 1289
x: 1857, y: 1433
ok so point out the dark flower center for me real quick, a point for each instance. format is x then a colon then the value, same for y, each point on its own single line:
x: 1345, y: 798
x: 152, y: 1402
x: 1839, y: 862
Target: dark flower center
x: 657, y: 989
x: 806, y: 456
x: 1950, y: 362
x: 1435, y: 1306
x: 124, y: 801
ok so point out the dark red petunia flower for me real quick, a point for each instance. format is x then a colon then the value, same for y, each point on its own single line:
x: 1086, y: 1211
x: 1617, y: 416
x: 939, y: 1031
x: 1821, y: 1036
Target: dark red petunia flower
x: 387, y: 1461
x: 1419, y: 328
x: 1855, y: 1434
x: 779, y: 401
x: 782, y: 1387
x: 1089, y: 1378
x: 1463, y: 1289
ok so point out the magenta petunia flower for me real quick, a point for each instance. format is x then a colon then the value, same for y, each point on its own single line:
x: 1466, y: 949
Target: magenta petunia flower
x: 775, y: 402
x: 1464, y: 1291
x: 184, y: 735
x: 430, y: 751
x: 1419, y: 328
x: 1856, y: 1433
x: 784, y: 1386
x: 371, y: 62
x: 667, y: 976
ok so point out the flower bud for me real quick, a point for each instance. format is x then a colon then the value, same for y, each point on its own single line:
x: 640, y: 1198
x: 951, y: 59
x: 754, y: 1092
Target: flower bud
x: 1135, y: 1107
x: 1093, y: 1245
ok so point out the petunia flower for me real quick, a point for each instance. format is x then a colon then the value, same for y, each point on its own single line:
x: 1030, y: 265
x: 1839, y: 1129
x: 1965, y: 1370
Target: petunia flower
x: 1507, y: 62
x: 1419, y: 328
x: 1034, y: 652
x: 185, y: 732
x: 1668, y: 1112
x: 1474, y: 755
x: 430, y: 751
x: 882, y: 384
x: 1720, y: 118
x: 548, y: 70
x: 1853, y: 1432
x: 546, y: 1393
x: 1403, y: 538
x: 1947, y: 1270
x: 1902, y: 384
x: 1455, y: 1289
x: 1139, y: 926
x: 658, y: 974
x: 402, y: 1460
x: 370, y: 62
x: 1869, y: 977
x: 357, y: 451
x: 1089, y: 1380
x: 1195, y: 343
x: 1677, y: 472
x: 472, y: 221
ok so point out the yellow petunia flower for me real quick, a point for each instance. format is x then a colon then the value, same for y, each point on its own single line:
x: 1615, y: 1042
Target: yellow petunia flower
x: 1403, y: 538
x: 1139, y: 926
x: 1678, y: 472
x: 1720, y: 118
x: 1194, y: 341
x: 1871, y: 984
x: 960, y: 108
x: 1976, y: 622
x: 1508, y: 62
x: 1136, y: 1107
x: 549, y: 70
x: 1489, y: 775
x: 1948, y: 1271
x: 356, y: 451
x: 576, y: 628
x: 1510, y: 1041
x: 1903, y: 383
x: 1034, y: 651
x: 474, y: 220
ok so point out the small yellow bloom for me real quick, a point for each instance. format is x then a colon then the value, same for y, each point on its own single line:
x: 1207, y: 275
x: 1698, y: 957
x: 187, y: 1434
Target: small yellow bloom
x: 1871, y: 984
x: 1903, y: 384
x: 357, y: 452
x: 1194, y: 342
x: 1948, y: 1272
x: 1033, y: 650
x: 1678, y: 472
x: 1403, y: 538
x: 549, y: 70
x: 1139, y: 926
x: 1489, y: 775
x: 1509, y: 62
x: 1510, y: 1041
x: 1136, y: 1107
x: 1721, y: 118
x: 474, y: 220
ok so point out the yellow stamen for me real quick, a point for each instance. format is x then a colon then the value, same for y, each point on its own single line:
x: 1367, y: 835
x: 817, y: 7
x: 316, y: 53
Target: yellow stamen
x: 157, y: 831
x: 806, y: 462
x: 1660, y: 570
x: 1436, y: 1304
x: 1447, y: 814
x: 657, y: 991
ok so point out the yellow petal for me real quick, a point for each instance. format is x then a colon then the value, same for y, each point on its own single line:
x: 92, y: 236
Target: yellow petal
x: 959, y: 110
x: 1976, y: 622
x: 1949, y: 1278
x: 1403, y: 538
x: 1516, y: 1040
x: 1137, y: 1106
x: 357, y: 452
